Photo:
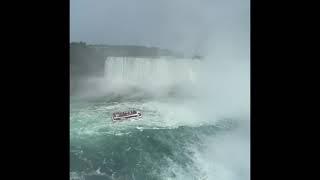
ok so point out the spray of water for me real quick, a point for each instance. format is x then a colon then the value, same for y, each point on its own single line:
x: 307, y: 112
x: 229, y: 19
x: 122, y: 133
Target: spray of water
x: 149, y: 76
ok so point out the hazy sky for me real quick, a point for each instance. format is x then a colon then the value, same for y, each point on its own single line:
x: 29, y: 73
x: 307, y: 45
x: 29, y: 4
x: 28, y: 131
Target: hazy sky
x: 184, y: 25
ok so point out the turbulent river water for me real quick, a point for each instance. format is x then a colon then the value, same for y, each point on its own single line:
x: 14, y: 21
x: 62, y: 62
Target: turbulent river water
x: 176, y: 138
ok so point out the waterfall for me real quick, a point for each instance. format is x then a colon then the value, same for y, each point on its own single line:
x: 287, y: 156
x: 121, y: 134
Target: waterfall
x: 164, y: 71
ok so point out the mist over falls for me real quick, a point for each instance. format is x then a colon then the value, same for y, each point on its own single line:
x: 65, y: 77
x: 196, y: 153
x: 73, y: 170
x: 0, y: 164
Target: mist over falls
x: 99, y: 70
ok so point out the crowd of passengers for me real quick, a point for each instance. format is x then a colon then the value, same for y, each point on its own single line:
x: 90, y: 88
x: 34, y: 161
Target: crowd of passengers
x: 125, y: 113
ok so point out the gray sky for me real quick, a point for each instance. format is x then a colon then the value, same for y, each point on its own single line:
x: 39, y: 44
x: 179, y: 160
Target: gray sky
x: 183, y: 25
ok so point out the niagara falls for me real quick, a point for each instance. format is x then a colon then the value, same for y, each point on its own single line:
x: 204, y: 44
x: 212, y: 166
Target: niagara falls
x: 184, y: 67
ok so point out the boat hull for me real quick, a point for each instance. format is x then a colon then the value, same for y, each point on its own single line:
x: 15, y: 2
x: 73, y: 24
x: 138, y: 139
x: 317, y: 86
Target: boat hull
x: 115, y: 119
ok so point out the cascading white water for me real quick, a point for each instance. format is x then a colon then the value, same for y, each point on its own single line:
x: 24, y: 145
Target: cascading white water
x: 158, y: 72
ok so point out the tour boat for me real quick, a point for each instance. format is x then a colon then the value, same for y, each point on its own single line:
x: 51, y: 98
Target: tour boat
x: 119, y: 116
